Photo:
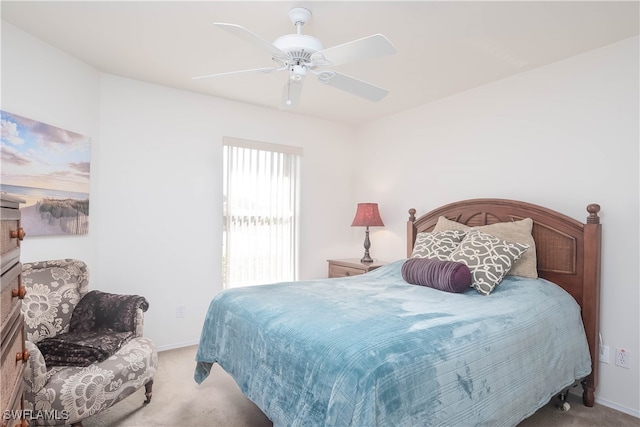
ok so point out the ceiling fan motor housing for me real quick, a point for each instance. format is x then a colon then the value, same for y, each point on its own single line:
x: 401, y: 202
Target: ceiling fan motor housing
x: 299, y: 46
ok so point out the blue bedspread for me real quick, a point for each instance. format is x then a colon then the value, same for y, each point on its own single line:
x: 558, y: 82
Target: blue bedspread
x: 373, y: 350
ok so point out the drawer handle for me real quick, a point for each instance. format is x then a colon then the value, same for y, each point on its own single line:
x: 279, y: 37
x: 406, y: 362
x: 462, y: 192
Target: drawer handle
x: 22, y: 356
x: 347, y: 273
x: 19, y: 234
x: 20, y: 292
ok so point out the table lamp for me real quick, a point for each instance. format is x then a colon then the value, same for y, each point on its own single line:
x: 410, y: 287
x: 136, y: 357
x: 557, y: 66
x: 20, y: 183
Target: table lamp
x: 367, y: 215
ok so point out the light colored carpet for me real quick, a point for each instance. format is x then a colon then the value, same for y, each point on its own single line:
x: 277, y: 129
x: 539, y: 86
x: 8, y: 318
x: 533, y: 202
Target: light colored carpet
x: 179, y: 401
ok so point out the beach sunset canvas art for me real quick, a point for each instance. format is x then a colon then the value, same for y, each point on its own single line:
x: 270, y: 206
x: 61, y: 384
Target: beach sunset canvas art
x: 49, y: 168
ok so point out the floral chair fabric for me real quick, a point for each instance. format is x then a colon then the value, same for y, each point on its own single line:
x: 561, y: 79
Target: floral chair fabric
x: 73, y: 393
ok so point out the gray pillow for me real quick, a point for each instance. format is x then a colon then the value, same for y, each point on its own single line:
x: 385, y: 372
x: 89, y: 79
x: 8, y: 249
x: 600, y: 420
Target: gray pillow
x: 515, y: 231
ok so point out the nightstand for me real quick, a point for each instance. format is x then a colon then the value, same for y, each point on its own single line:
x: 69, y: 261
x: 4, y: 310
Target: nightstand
x: 351, y: 267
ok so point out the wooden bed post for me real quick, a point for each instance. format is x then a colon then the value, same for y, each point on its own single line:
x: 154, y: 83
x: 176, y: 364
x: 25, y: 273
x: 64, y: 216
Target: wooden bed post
x: 591, y: 297
x: 411, y: 232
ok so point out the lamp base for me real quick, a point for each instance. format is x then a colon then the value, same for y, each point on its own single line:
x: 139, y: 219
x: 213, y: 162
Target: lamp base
x: 367, y: 244
x: 366, y: 258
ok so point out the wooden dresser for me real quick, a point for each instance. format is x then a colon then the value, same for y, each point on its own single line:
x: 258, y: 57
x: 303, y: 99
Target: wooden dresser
x: 12, y: 350
x: 351, y: 267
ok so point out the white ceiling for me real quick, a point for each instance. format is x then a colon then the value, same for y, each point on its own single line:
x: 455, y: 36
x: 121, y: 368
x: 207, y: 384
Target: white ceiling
x: 444, y: 47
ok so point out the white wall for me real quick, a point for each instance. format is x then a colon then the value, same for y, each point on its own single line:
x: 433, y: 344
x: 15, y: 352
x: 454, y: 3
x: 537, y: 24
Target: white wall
x: 161, y: 192
x: 45, y: 84
x: 561, y: 136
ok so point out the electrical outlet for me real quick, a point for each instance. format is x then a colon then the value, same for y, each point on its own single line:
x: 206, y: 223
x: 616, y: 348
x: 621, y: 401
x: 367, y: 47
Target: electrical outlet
x: 180, y: 311
x: 622, y: 358
x: 604, y: 353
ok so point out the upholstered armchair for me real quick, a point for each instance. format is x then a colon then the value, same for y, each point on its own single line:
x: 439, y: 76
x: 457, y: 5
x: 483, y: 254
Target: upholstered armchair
x: 81, y: 381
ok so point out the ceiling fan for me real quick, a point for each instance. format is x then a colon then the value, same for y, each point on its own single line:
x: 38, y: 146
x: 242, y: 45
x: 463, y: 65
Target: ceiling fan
x: 301, y: 54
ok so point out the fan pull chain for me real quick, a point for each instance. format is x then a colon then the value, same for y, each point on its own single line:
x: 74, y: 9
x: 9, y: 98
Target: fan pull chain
x: 288, y: 101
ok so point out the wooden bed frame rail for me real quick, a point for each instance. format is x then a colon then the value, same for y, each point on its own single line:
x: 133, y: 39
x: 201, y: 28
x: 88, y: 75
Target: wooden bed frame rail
x: 567, y: 251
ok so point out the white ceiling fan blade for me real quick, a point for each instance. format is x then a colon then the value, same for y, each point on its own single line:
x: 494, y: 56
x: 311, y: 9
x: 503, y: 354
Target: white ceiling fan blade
x: 254, y: 70
x: 356, y: 87
x: 367, y: 47
x: 252, y: 38
x: 291, y: 94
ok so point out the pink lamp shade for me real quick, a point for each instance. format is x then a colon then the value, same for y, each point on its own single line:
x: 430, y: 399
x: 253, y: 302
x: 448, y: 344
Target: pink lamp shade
x: 367, y: 215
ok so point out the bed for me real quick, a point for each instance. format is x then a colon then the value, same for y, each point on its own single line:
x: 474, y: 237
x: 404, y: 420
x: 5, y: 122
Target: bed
x: 375, y: 350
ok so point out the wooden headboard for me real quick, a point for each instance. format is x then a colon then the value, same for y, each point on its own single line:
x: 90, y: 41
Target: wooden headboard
x: 567, y: 251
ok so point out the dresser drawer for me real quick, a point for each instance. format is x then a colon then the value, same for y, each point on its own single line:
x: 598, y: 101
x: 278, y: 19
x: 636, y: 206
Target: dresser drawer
x: 10, y: 227
x: 343, y: 271
x: 351, y: 267
x: 10, y: 236
x: 12, y: 364
x: 11, y: 294
x: 13, y: 416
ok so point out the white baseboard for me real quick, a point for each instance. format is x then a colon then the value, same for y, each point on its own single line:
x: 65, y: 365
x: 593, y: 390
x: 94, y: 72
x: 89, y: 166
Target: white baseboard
x: 617, y: 407
x: 604, y: 402
x: 178, y: 345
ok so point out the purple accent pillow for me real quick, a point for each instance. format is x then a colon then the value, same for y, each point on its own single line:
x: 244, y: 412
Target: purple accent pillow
x: 448, y: 276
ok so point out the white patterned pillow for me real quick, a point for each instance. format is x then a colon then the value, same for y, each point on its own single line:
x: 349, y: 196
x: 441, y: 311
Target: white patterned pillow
x: 438, y: 245
x: 488, y: 258
x: 514, y: 231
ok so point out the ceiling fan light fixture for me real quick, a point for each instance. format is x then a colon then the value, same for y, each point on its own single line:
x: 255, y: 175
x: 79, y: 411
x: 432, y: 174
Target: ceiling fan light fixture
x: 297, y: 73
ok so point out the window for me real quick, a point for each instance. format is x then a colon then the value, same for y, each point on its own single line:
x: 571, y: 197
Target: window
x: 260, y: 212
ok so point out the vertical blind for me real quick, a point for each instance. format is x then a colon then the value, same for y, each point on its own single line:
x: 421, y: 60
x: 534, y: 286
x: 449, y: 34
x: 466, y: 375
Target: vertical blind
x: 260, y: 212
